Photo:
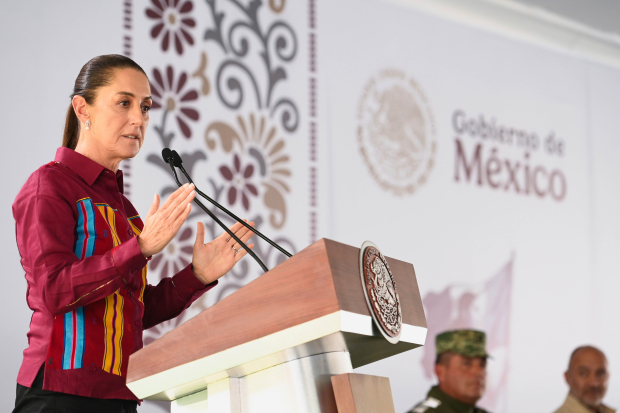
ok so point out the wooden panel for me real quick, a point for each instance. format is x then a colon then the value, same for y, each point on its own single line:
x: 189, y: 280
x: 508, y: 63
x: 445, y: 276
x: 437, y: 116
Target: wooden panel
x: 344, y: 261
x: 408, y: 291
x: 360, y: 393
x: 298, y: 290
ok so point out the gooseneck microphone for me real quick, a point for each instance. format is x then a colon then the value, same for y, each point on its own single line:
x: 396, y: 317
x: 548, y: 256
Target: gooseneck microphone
x: 178, y: 162
x: 168, y: 158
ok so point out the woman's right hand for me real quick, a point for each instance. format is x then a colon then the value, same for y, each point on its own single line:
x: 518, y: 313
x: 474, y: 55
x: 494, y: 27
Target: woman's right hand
x: 162, y: 224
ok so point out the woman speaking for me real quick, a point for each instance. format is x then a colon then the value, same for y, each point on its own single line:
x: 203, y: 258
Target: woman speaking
x: 85, y: 249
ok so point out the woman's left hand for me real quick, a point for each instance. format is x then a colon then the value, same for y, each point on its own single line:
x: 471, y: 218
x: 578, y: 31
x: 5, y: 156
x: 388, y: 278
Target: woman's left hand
x: 213, y: 260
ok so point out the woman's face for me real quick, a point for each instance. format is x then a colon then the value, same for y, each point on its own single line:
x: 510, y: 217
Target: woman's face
x: 119, y: 116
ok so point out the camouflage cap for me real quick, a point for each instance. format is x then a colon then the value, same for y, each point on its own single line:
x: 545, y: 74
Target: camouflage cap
x: 469, y: 343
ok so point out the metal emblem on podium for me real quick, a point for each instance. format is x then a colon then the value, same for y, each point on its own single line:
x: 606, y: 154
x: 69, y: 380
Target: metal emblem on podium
x: 380, y: 291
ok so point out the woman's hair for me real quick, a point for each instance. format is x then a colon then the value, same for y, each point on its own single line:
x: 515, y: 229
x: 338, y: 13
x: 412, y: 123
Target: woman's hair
x: 98, y: 72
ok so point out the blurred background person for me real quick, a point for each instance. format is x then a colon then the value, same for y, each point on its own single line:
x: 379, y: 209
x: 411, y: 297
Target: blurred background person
x: 587, y: 377
x: 461, y: 370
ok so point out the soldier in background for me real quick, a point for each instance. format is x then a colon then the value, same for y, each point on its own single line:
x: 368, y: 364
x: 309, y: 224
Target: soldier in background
x: 587, y: 376
x: 461, y: 369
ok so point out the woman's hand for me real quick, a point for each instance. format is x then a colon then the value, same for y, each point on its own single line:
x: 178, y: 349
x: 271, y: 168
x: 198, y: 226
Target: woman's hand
x: 162, y: 224
x: 212, y: 260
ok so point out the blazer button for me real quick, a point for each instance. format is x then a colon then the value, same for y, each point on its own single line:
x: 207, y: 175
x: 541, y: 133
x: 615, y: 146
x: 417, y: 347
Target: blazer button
x: 131, y: 293
x: 130, y: 232
x: 137, y: 323
x: 93, y: 368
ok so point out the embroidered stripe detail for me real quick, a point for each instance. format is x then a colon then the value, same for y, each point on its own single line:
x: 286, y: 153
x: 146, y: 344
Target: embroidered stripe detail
x: 73, y: 343
x: 89, y: 293
x: 86, y: 229
x: 86, y: 233
x: 80, y: 338
x: 106, y: 205
x: 113, y: 321
x: 137, y: 231
x: 109, y: 308
x: 68, y: 347
x: 118, y: 337
x: 79, y: 229
x: 110, y: 218
x: 141, y: 297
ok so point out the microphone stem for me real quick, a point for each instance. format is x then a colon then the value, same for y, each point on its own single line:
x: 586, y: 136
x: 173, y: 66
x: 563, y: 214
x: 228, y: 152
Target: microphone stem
x: 214, y: 202
x: 220, y: 223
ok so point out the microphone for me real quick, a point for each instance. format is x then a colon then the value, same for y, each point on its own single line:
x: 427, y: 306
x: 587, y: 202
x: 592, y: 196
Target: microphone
x: 178, y: 162
x: 168, y: 158
x: 166, y: 154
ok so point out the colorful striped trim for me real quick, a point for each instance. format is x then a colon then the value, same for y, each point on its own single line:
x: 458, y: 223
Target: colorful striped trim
x: 73, y: 353
x: 141, y: 296
x: 113, y: 319
x: 106, y: 205
x: 75, y: 335
x: 86, y: 229
x: 108, y: 214
x: 137, y: 231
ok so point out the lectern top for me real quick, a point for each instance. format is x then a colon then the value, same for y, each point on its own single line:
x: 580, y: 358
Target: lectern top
x: 313, y: 302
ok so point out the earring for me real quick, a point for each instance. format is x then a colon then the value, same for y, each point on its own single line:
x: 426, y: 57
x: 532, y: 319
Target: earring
x: 87, y: 125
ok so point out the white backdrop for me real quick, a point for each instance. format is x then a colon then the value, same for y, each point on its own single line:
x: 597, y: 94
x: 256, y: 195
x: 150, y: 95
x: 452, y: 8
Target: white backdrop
x: 541, y: 268
x: 459, y: 232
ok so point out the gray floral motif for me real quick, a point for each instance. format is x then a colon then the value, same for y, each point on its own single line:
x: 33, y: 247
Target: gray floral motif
x: 278, y: 47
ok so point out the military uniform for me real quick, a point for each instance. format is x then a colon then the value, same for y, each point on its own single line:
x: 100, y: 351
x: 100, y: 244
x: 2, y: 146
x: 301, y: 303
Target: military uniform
x: 439, y: 402
x: 469, y: 343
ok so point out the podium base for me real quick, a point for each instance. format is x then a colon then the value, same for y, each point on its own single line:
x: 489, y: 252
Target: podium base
x: 299, y: 386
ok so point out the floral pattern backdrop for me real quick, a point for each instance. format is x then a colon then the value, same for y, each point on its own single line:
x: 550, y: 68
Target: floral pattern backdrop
x: 229, y: 84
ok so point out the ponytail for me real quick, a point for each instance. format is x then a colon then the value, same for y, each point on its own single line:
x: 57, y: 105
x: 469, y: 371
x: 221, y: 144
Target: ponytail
x: 72, y: 129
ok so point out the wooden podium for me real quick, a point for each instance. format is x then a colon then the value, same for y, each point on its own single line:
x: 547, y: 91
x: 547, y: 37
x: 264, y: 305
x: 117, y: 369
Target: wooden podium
x: 275, y: 344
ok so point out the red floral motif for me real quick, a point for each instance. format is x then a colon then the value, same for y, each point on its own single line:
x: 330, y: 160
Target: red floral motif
x: 238, y: 178
x: 170, y: 94
x: 172, y: 23
x: 176, y: 256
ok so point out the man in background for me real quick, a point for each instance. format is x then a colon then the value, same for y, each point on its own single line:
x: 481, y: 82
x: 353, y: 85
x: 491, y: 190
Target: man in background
x: 460, y: 367
x: 587, y: 377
